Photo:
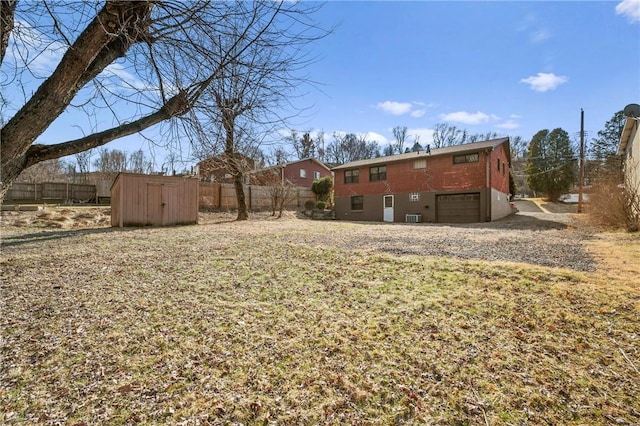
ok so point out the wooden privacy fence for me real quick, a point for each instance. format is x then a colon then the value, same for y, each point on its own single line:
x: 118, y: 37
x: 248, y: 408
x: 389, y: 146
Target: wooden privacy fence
x: 223, y: 196
x: 212, y: 195
x: 54, y: 191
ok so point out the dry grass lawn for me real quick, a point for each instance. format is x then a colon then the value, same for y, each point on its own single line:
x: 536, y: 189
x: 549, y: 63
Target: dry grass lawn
x: 241, y: 323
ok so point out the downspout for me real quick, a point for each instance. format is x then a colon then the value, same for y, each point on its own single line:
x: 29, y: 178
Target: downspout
x: 488, y: 196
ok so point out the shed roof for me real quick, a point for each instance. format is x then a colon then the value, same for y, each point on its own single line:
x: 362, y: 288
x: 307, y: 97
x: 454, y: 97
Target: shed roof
x: 448, y: 150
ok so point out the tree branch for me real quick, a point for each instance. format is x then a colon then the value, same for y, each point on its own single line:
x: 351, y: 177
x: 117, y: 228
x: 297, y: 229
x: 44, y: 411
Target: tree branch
x: 94, y: 49
x: 7, y: 10
x: 176, y: 106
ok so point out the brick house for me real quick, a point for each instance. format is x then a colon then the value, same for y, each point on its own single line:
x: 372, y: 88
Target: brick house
x: 299, y: 173
x: 456, y: 184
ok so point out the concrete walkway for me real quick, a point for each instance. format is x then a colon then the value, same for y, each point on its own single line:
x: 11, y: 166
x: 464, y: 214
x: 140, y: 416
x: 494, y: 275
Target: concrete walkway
x: 529, y: 206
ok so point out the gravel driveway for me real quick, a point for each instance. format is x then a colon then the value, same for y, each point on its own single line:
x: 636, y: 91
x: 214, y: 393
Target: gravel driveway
x: 536, y: 238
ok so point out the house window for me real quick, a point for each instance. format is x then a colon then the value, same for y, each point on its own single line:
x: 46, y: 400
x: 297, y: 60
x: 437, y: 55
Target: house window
x: 414, y: 196
x: 352, y: 176
x: 377, y: 173
x: 420, y: 164
x: 503, y: 169
x: 316, y: 175
x: 303, y: 173
x: 357, y: 202
x: 498, y: 164
x: 468, y: 158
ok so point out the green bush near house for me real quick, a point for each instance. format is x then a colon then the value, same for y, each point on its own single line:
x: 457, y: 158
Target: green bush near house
x: 321, y: 205
x: 322, y: 188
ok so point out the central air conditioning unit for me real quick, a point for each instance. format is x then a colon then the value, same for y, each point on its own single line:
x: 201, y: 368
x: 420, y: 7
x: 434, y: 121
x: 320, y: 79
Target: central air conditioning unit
x: 413, y: 218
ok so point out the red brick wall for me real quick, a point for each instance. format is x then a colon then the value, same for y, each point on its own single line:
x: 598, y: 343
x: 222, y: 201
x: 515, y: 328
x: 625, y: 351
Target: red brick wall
x: 292, y: 172
x: 440, y: 175
x: 500, y: 180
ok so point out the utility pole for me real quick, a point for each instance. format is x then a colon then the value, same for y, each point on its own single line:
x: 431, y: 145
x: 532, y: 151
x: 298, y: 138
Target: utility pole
x: 581, y: 173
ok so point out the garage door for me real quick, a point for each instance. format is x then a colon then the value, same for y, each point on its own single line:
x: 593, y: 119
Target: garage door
x: 458, y: 208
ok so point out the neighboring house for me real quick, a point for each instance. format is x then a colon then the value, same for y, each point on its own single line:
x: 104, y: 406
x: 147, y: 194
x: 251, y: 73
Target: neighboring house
x: 216, y: 169
x: 298, y: 173
x: 629, y: 149
x: 463, y: 183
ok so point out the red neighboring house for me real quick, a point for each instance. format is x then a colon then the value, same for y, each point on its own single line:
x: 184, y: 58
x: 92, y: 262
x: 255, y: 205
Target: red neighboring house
x: 299, y: 173
x: 463, y: 183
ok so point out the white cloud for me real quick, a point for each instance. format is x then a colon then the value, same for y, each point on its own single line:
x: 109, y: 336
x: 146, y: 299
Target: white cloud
x: 394, y: 108
x: 544, y: 81
x: 515, y: 116
x: 118, y: 70
x: 630, y: 9
x: 424, y: 135
x: 40, y: 53
x: 374, y: 137
x: 468, y: 118
x: 539, y: 36
x: 415, y: 109
x: 530, y: 25
x: 509, y: 124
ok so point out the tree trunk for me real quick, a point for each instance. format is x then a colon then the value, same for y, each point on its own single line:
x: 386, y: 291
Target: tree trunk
x: 242, y: 202
x: 228, y: 122
x: 116, y: 27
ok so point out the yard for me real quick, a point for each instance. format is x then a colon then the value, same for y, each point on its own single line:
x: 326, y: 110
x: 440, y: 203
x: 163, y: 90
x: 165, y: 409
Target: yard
x: 529, y: 320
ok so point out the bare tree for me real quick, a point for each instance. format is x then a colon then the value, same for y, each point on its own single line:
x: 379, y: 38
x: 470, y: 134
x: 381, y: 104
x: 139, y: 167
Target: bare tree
x: 83, y: 160
x: 445, y: 134
x: 138, y: 163
x: 320, y: 145
x: 304, y: 146
x: 168, y: 54
x: 111, y: 162
x: 243, y: 105
x: 46, y: 171
x: 281, y: 192
x: 479, y: 137
x: 351, y: 147
x: 400, y: 135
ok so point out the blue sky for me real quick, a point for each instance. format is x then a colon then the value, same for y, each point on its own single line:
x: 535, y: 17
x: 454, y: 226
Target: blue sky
x: 512, y: 67
x: 508, y: 67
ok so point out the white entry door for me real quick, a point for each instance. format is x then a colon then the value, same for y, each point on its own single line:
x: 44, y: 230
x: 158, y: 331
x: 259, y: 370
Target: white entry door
x: 388, y: 208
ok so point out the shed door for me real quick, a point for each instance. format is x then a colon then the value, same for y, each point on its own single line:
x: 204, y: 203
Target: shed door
x: 388, y: 208
x: 162, y: 204
x: 458, y: 208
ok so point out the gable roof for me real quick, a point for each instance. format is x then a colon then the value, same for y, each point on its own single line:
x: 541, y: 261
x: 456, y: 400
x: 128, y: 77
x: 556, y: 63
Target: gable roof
x: 321, y: 164
x: 448, y: 150
x: 278, y: 166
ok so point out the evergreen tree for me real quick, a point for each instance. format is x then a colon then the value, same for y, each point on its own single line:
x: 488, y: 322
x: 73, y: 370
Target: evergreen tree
x: 603, y: 149
x: 550, y: 163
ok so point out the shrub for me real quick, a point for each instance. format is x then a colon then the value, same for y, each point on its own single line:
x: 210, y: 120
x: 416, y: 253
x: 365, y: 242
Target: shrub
x: 614, y: 201
x: 309, y: 205
x: 322, y: 188
x: 321, y: 205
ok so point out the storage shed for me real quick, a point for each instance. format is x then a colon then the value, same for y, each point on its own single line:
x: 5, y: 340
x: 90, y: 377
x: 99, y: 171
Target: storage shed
x: 151, y: 200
